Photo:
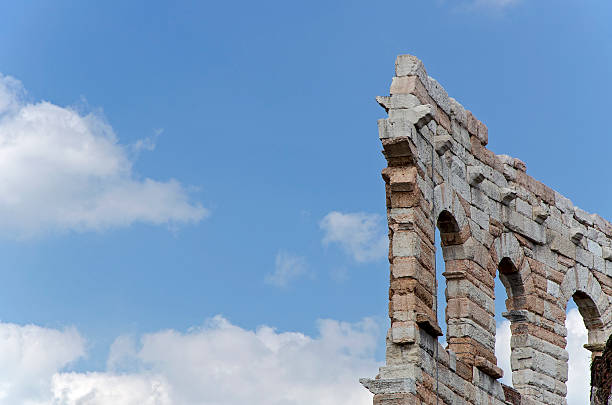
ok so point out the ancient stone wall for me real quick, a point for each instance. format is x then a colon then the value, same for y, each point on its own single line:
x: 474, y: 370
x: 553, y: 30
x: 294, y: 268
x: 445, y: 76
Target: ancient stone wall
x: 494, y: 221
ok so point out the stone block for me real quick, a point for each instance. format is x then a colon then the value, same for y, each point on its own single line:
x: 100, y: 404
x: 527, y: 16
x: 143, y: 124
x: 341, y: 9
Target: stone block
x: 409, y: 65
x: 576, y: 235
x: 583, y: 217
x: 401, y: 178
x: 594, y: 248
x: 418, y: 116
x: 564, y: 246
x: 389, y: 386
x: 403, y: 334
x: 472, y: 123
x: 524, y: 207
x: 488, y: 368
x: 483, y: 133
x: 406, y: 244
x: 411, y: 85
x: 524, y: 226
x: 388, y: 129
x: 458, y: 113
x: 540, y: 213
x: 437, y: 92
x: 519, y: 165
x: 507, y: 195
x: 397, y: 101
x: 475, y: 175
x: 443, y: 143
x: 480, y: 217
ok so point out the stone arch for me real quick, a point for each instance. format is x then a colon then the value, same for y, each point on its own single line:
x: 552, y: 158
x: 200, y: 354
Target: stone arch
x: 580, y: 284
x: 469, y: 312
x: 447, y: 202
x: 514, y: 270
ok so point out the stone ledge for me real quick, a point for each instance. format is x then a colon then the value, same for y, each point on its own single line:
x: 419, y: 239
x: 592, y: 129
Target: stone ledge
x: 389, y: 386
x: 488, y: 368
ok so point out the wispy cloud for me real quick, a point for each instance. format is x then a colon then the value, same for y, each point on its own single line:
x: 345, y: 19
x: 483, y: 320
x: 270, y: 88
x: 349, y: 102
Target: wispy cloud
x: 218, y: 363
x: 495, y: 3
x: 578, y: 386
x: 362, y: 236
x: 147, y: 144
x: 494, y: 6
x: 64, y: 170
x: 287, y: 267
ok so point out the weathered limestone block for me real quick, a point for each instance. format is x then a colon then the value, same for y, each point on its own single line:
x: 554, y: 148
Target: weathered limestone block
x: 398, y: 101
x: 564, y: 246
x: 524, y: 226
x: 576, y: 235
x: 583, y: 217
x: 475, y: 175
x: 389, y: 386
x: 418, y: 116
x: 388, y: 129
x: 409, y: 65
x: 403, y: 334
x: 443, y: 143
x: 540, y: 214
x: 507, y: 195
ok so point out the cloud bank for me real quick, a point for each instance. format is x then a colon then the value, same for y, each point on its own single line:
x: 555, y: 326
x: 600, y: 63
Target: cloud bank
x: 220, y: 363
x: 61, y: 170
x: 216, y: 364
x: 579, y: 376
x: 362, y: 236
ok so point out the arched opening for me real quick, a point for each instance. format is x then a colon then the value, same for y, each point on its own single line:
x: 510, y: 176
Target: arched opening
x: 448, y: 237
x: 449, y: 229
x: 447, y: 234
x: 503, y: 334
x: 440, y: 291
x: 580, y: 314
x: 509, y: 295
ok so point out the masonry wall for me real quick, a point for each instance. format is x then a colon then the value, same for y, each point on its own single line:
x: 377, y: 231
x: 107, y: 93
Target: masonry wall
x: 494, y: 221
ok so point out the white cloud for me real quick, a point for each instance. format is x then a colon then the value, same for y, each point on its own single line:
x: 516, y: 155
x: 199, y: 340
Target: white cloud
x: 502, y: 350
x: 62, y: 170
x: 579, y: 375
x: 217, y: 364
x: 362, y: 236
x: 222, y: 364
x: 578, y: 383
x: 287, y: 267
x: 30, y: 356
x: 109, y: 389
x: 149, y: 143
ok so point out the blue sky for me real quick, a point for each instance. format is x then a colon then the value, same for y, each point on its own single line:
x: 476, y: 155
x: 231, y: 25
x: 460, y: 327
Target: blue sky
x: 229, y: 162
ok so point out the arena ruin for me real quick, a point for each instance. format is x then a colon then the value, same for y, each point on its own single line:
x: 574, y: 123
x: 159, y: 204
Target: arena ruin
x: 494, y: 220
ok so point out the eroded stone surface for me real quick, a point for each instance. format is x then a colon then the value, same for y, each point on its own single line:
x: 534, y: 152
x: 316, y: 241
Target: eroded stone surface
x: 494, y: 220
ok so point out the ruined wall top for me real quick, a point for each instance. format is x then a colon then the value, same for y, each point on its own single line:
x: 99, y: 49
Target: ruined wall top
x: 494, y: 220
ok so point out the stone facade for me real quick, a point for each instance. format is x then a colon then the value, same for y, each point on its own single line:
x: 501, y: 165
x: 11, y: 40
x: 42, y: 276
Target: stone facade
x: 494, y: 220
